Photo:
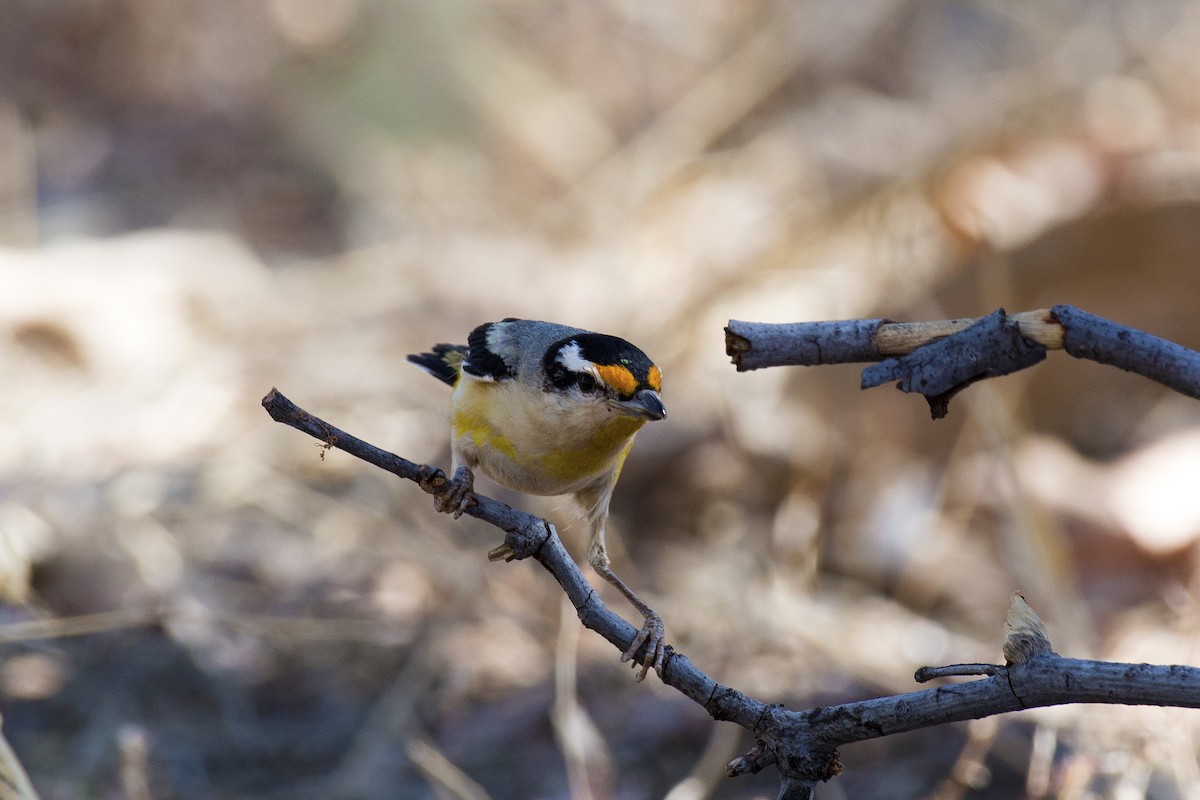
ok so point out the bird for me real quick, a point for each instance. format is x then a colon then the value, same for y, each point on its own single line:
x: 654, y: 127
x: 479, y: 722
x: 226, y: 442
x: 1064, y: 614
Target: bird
x: 549, y: 409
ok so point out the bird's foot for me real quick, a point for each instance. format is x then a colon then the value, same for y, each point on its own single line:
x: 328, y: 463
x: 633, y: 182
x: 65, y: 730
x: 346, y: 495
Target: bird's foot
x: 453, y: 497
x: 653, y: 635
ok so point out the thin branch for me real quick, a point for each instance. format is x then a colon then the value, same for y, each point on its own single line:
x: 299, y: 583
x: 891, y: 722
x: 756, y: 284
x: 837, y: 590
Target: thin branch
x: 1099, y: 339
x: 756, y: 345
x: 1045, y: 680
x: 940, y: 358
x: 803, y: 744
x: 528, y: 536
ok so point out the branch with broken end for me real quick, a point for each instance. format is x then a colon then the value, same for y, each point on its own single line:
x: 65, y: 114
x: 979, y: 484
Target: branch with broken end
x: 803, y: 745
x: 939, y: 359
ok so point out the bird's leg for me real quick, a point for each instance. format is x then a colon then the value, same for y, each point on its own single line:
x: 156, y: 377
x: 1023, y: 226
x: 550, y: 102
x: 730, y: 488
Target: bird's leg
x: 458, y: 495
x: 653, y: 632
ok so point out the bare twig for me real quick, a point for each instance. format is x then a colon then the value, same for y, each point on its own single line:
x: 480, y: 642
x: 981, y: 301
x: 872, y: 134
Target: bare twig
x: 927, y: 674
x: 803, y: 744
x: 940, y: 358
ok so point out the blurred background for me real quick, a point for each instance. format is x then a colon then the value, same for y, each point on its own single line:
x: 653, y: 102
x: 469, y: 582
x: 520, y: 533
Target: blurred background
x: 202, y: 199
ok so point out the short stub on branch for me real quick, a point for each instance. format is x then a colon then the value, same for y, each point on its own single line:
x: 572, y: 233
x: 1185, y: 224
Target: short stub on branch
x: 757, y: 759
x: 1025, y: 637
x: 927, y: 674
x: 787, y: 739
x: 521, y: 542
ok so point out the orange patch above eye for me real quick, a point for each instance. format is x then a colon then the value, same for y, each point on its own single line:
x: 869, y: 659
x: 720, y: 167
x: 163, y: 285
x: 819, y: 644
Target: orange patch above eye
x: 619, y: 378
x: 654, y: 378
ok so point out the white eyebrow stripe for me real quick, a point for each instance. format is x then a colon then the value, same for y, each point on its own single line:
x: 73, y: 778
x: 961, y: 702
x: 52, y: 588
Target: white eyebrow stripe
x: 572, y: 358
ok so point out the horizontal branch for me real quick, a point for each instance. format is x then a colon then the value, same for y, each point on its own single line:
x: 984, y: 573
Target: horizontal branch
x: 757, y: 345
x: 1047, y: 679
x: 803, y: 744
x: 940, y: 358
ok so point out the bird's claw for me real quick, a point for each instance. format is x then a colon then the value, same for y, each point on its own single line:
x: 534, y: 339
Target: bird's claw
x: 653, y: 635
x: 454, y: 497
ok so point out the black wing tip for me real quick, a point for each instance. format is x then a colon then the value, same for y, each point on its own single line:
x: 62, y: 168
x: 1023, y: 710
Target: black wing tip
x: 442, y: 362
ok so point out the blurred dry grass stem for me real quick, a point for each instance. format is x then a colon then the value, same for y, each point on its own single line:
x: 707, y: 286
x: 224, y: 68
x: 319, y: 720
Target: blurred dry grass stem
x: 449, y: 781
x: 970, y: 771
x: 14, y: 782
x: 724, y: 742
x: 584, y: 750
x: 135, y: 749
x: 82, y: 625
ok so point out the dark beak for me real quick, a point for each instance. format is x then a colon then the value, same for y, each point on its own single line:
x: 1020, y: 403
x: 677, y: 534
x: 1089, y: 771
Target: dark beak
x: 645, y: 404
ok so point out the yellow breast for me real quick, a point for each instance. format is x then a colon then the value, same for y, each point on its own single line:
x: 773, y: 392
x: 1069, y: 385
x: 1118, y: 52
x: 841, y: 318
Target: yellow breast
x: 535, y: 443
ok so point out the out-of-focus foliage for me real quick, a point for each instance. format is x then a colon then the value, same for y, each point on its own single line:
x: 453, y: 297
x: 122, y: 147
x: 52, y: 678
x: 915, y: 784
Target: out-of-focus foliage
x: 200, y: 200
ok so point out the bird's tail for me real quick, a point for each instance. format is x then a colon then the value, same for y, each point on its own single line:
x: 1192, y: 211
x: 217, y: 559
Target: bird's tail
x: 443, y: 363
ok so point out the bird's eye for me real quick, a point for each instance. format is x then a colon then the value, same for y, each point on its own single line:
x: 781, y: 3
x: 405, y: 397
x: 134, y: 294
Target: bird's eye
x: 587, y: 384
x: 560, y: 377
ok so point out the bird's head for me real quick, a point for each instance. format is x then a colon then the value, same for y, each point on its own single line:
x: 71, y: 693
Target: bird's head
x: 595, y: 368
